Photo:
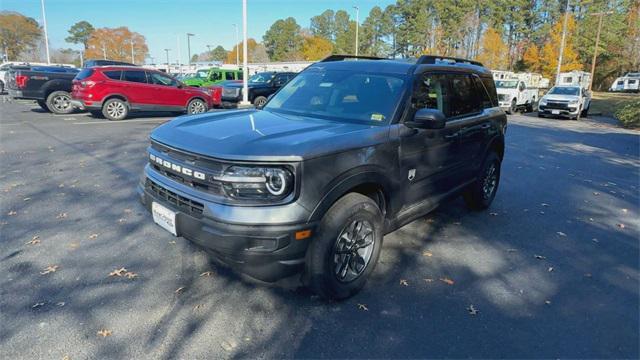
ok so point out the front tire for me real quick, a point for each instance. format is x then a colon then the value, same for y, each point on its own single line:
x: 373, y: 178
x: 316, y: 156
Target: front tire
x: 585, y: 112
x: 480, y: 194
x: 196, y: 106
x: 59, y: 102
x: 259, y: 101
x: 346, y: 249
x: 512, y: 108
x: 115, y: 109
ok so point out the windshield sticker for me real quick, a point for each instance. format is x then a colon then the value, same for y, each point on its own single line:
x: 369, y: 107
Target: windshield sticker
x: 326, y: 84
x: 377, y: 117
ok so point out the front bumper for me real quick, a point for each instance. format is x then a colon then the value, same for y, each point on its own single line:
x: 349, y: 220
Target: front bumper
x: 570, y: 111
x: 265, y: 252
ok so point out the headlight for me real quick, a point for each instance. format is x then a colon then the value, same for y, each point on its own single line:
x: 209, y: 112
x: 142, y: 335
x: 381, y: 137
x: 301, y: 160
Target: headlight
x: 573, y: 102
x: 256, y: 183
x: 543, y: 101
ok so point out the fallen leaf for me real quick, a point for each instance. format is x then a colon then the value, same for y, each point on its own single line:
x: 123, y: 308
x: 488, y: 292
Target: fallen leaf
x: 457, y: 223
x: 12, y: 213
x: 206, y: 273
x: 34, y: 240
x: 511, y: 250
x: 493, y: 214
x: 550, y: 269
x: 37, y: 305
x: 545, y: 204
x: 539, y: 257
x: 61, y: 303
x: 596, y: 193
x: 427, y: 253
x: 131, y: 275
x: 121, y: 220
x: 404, y: 282
x: 74, y: 246
x: 625, y: 211
x: 621, y: 226
x: 66, y: 357
x: 595, y: 240
x: 428, y: 280
x: 228, y: 345
x: 118, y: 272
x: 588, y: 275
x: 172, y: 242
x: 547, y: 302
x: 197, y: 307
x: 561, y: 233
x: 447, y: 281
x: 61, y: 216
x: 472, y: 310
x: 93, y: 236
x: 179, y: 290
x: 49, y: 269
x: 541, y: 212
x: 128, y: 211
x: 26, y: 199
x: 363, y: 307
x: 104, y: 333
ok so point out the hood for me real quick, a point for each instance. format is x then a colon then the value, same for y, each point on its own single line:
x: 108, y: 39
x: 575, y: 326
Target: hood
x: 555, y: 97
x: 259, y: 135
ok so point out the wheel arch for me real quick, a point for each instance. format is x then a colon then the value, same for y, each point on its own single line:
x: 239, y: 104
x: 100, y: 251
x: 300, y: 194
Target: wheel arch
x: 55, y: 85
x: 371, y: 183
x: 116, y: 96
x: 496, y: 144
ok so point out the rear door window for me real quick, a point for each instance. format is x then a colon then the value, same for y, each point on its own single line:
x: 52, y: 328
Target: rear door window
x: 464, y: 98
x: 490, y: 86
x: 134, y: 76
x: 113, y: 74
x: 432, y: 93
x: 228, y: 75
x: 482, y: 91
x: 159, y: 79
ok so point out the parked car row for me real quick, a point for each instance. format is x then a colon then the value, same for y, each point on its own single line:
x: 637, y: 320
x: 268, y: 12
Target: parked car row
x: 115, y: 90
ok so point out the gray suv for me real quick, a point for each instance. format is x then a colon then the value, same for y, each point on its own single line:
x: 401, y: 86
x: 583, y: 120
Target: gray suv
x: 348, y: 151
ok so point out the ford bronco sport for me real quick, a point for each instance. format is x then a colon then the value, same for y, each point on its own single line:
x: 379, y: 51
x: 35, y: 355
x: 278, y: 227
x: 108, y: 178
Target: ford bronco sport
x: 347, y: 151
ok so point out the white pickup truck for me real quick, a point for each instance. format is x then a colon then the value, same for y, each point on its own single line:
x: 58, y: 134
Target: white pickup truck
x: 566, y: 101
x: 514, y: 94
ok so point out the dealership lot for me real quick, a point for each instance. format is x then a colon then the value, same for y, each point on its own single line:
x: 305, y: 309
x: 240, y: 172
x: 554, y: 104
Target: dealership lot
x: 551, y: 270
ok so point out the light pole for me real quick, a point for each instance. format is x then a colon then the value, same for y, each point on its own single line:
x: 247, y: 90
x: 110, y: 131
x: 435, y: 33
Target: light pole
x: 595, y: 50
x: 46, y: 35
x: 133, y: 59
x: 104, y: 51
x: 357, y: 25
x: 245, y: 69
x: 81, y: 52
x: 564, y: 35
x: 237, y: 45
x: 189, y: 35
x: 167, y: 51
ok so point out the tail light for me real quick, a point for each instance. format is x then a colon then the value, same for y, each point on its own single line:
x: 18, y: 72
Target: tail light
x: 87, y: 83
x: 21, y: 81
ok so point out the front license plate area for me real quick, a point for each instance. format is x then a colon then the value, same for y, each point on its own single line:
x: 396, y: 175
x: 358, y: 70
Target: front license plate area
x: 555, y: 112
x: 164, y: 217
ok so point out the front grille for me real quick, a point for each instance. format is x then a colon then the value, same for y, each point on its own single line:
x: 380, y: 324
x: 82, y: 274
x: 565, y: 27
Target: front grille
x: 560, y: 105
x: 503, y: 97
x: 185, y: 204
x: 230, y: 92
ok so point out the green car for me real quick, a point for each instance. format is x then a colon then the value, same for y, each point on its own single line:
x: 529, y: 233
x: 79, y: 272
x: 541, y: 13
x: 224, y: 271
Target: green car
x: 208, y: 77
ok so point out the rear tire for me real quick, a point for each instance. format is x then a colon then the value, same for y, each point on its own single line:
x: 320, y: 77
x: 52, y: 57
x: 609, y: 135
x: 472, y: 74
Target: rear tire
x: 115, y: 109
x: 585, y: 112
x: 480, y: 194
x: 43, y: 105
x: 338, y: 263
x: 58, y: 102
x: 512, y: 108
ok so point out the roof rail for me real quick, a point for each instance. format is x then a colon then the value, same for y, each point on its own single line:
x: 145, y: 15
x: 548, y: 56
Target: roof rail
x: 344, y: 57
x: 433, y: 59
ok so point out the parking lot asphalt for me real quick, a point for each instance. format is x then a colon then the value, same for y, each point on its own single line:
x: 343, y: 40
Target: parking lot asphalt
x: 551, y: 270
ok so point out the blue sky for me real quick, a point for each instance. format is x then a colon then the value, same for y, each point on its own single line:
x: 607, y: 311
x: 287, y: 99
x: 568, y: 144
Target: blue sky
x: 163, y: 21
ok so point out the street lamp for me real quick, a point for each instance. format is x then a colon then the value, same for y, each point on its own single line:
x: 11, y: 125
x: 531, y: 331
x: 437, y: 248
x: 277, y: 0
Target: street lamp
x: 167, y: 51
x: 189, y: 35
x: 564, y: 35
x: 357, y: 25
x: 133, y: 59
x: 245, y: 69
x: 46, y: 35
x: 237, y: 46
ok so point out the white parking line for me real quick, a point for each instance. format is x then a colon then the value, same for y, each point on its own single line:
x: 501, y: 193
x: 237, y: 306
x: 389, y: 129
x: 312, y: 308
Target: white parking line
x: 120, y: 122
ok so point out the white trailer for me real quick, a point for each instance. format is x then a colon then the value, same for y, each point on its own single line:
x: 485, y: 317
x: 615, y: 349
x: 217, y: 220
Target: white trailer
x: 575, y: 78
x: 628, y: 83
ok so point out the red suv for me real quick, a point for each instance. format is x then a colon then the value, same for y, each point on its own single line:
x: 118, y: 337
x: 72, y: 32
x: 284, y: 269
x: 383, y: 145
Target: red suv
x: 115, y: 91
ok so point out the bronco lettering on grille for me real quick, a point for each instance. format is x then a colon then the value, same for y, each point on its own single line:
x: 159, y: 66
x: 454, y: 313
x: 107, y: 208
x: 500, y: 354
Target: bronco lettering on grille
x: 177, y: 168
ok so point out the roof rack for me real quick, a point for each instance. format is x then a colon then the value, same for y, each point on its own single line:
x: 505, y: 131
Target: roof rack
x: 433, y: 59
x: 344, y: 57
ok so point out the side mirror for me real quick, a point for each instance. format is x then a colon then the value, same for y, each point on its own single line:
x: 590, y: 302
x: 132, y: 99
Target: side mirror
x: 427, y: 119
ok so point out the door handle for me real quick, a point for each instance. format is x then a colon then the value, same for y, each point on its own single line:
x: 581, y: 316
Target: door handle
x: 452, y: 136
x: 485, y: 126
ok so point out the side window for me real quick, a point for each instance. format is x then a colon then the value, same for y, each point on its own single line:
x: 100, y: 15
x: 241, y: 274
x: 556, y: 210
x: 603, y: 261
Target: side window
x: 280, y: 80
x: 216, y: 75
x: 134, y: 76
x: 521, y: 87
x: 432, y: 93
x: 464, y: 99
x: 228, y: 75
x: 239, y: 75
x: 484, y: 93
x: 159, y: 79
x: 490, y: 86
x: 113, y: 75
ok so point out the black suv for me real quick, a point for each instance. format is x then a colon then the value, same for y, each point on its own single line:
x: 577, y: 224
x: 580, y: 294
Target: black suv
x: 260, y: 86
x: 343, y: 154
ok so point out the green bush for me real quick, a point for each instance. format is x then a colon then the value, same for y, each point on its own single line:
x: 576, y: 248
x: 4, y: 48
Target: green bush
x: 629, y: 115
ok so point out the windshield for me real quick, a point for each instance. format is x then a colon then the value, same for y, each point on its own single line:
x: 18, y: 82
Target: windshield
x: 261, y: 78
x: 201, y: 74
x: 342, y: 96
x: 507, y: 84
x: 565, y: 91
